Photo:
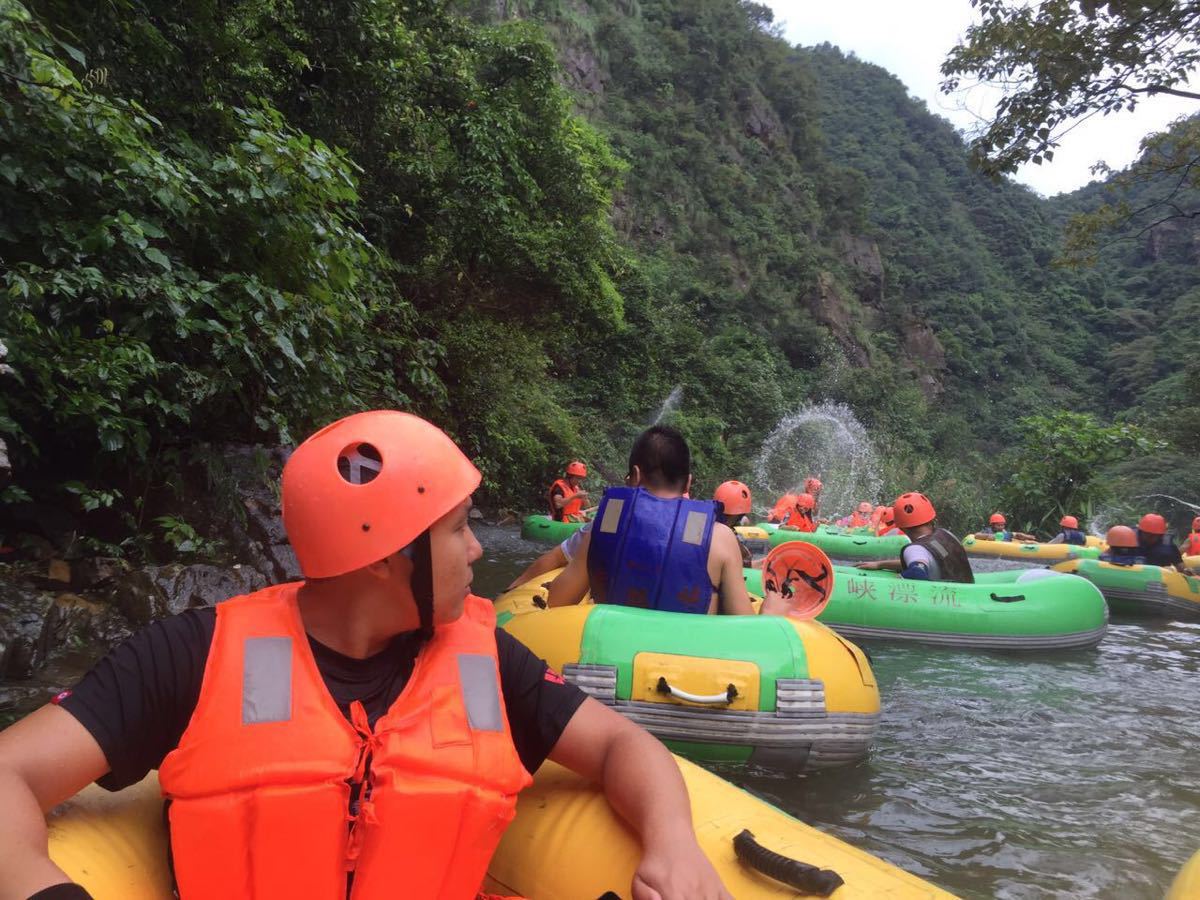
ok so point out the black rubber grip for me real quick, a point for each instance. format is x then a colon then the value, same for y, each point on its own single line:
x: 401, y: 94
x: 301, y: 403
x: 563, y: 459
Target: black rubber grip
x: 801, y: 876
x: 1016, y: 598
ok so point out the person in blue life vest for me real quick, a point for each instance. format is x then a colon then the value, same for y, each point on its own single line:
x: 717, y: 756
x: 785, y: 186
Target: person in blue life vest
x: 1070, y: 533
x: 648, y: 546
x: 1122, y: 549
x: 997, y: 530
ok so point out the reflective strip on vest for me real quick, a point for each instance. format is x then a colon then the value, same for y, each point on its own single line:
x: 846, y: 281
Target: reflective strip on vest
x: 480, y: 691
x: 612, y: 516
x: 693, y: 529
x: 266, y: 680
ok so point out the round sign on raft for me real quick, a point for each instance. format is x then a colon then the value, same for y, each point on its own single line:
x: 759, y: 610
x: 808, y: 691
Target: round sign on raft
x: 803, y: 574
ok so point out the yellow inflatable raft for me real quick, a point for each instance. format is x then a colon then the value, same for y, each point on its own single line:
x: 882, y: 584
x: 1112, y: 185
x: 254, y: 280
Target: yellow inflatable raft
x: 1033, y: 552
x: 1186, y: 885
x: 786, y: 694
x: 565, y: 843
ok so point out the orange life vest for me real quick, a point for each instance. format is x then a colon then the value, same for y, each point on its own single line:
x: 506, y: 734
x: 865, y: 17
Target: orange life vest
x: 572, y: 510
x: 260, y: 782
x: 1191, y: 545
x: 857, y: 520
x: 783, y: 506
x: 800, y: 521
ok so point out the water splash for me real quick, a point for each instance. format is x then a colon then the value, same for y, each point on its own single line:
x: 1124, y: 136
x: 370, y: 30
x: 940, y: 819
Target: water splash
x: 822, y: 439
x: 1192, y: 506
x: 669, y: 405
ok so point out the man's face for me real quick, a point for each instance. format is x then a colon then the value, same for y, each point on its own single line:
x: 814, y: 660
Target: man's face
x: 574, y: 480
x: 454, y: 550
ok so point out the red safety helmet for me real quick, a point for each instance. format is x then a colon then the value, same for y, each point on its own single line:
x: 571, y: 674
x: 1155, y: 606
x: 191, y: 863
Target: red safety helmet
x: 1152, y: 523
x: 1122, y: 536
x: 996, y: 519
x: 1068, y: 522
x: 806, y: 502
x: 812, y: 485
x: 913, y: 509
x: 1196, y: 524
x: 734, y: 496
x: 577, y: 468
x: 368, y: 485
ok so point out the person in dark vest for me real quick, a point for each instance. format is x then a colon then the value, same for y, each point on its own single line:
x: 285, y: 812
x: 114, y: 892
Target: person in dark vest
x: 651, y: 547
x: 934, y: 554
x: 1156, y: 546
x: 1070, y: 533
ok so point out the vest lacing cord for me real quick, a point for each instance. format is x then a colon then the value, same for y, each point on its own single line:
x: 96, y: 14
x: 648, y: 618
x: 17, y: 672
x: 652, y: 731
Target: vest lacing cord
x: 363, y: 811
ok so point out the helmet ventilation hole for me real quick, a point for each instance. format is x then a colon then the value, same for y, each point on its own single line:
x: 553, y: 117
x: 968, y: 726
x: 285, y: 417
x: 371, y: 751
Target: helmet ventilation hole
x: 360, y: 463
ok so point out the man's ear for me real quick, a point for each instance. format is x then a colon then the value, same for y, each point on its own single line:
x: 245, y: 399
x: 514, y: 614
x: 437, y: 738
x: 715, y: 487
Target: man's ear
x: 634, y: 478
x: 385, y: 568
x: 688, y: 487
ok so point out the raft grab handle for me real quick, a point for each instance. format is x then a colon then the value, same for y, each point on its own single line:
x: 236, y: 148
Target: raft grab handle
x: 724, y: 698
x: 1017, y: 598
x: 801, y: 876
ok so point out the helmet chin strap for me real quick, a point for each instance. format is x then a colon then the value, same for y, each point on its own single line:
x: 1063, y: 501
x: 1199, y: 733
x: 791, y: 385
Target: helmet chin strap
x: 422, y: 583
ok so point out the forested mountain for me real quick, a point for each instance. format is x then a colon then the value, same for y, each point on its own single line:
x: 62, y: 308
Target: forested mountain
x: 531, y: 222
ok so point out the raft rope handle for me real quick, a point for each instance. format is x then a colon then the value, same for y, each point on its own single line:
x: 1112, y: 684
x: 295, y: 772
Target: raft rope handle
x: 801, y: 876
x: 726, y: 697
x: 1016, y: 598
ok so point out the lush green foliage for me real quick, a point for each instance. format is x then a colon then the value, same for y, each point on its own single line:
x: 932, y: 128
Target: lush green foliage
x: 1056, y: 468
x: 234, y: 220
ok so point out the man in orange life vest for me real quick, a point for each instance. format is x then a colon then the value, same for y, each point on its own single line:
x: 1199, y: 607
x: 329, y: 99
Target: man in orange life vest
x: 354, y: 734
x: 566, y: 496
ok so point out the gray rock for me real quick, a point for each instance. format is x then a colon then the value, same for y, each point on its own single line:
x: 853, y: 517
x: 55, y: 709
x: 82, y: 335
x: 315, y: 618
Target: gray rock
x: 72, y: 623
x: 158, y: 591
x: 22, y: 613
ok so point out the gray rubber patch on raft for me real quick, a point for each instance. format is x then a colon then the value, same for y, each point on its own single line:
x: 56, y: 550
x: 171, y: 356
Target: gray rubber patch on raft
x: 480, y: 691
x: 266, y: 680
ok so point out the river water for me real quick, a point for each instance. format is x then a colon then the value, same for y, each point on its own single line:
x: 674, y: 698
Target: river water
x: 1068, y: 775
x: 1074, y: 774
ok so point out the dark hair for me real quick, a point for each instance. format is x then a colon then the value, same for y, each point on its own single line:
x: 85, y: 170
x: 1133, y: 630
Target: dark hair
x: 662, y: 456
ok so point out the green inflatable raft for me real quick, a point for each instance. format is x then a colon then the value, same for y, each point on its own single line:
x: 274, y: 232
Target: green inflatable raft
x: 1033, y: 609
x: 1141, y: 590
x: 545, y: 530
x: 838, y: 543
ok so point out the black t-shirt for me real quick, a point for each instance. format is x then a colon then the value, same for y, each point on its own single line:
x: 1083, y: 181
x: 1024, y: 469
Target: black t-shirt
x: 138, y: 700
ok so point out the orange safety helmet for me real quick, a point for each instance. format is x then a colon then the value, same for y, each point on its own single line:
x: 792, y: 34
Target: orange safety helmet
x: 577, y: 468
x: 913, y: 509
x: 997, y: 519
x: 735, y: 497
x: 1068, y: 522
x: 368, y: 485
x: 803, y: 574
x: 812, y: 485
x: 805, y: 502
x: 1121, y: 536
x: 1152, y: 523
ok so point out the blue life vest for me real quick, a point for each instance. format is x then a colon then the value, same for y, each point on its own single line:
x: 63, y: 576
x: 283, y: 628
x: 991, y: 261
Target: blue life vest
x: 1123, y: 556
x: 651, y: 553
x: 1074, y: 536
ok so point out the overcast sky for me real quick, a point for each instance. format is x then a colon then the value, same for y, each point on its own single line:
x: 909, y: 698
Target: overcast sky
x: 911, y: 39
